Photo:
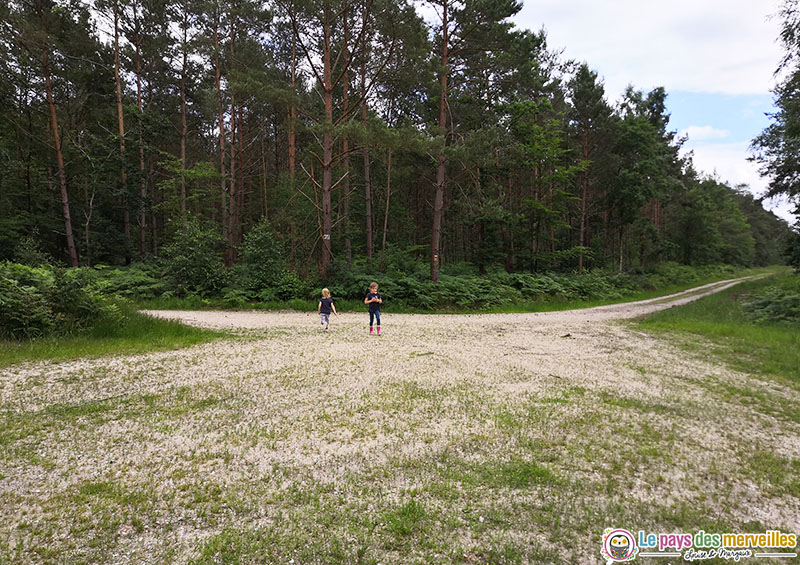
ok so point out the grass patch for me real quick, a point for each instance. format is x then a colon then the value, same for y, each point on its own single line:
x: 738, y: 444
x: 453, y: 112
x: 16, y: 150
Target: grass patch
x: 643, y: 406
x: 407, y: 519
x: 514, y: 474
x: 139, y: 334
x: 777, y: 475
x: 771, y: 349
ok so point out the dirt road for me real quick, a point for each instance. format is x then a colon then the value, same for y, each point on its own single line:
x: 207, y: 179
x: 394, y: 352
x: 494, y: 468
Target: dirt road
x: 254, y: 320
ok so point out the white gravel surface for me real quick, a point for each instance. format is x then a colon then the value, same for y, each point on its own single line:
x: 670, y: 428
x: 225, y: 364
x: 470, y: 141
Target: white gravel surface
x: 285, y: 403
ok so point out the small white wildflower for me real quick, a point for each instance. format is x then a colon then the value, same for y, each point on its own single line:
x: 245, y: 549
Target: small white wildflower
x: 480, y: 519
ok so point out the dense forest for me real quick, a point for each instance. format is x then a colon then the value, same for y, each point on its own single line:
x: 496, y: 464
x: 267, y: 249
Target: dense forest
x: 360, y: 130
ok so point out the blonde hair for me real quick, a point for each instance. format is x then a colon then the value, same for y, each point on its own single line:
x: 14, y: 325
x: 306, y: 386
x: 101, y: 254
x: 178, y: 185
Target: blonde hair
x: 326, y: 293
x: 373, y: 285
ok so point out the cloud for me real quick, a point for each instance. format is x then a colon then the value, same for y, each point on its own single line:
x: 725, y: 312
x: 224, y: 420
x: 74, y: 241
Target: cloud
x: 703, y: 133
x: 727, y: 162
x: 723, y: 46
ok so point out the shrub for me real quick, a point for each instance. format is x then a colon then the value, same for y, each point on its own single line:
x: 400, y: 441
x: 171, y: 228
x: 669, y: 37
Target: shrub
x: 24, y: 312
x: 193, y: 260
x: 778, y: 303
x: 290, y: 286
x: 37, y: 301
x: 792, y: 248
x: 235, y: 298
x: 140, y: 280
x: 29, y: 252
x: 74, y: 305
x: 262, y: 262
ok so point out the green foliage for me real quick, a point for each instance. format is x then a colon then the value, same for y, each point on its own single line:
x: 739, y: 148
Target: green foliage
x: 290, y: 286
x: 235, y: 297
x: 778, y: 303
x: 138, y: 281
x: 74, y: 304
x: 792, y: 248
x: 35, y: 302
x: 24, y: 311
x: 461, y: 288
x: 262, y: 258
x: 671, y: 273
x: 28, y: 251
x: 193, y: 259
x: 777, y: 148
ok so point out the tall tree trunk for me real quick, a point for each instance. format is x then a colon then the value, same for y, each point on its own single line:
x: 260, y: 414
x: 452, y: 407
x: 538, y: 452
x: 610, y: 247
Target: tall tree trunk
x: 88, y: 210
x: 264, y: 179
x: 87, y: 214
x: 221, y: 122
x: 346, y: 148
x: 292, y: 113
x: 143, y: 183
x: 153, y: 208
x: 277, y: 148
x: 241, y: 191
x: 386, y: 214
x: 184, y: 129
x: 126, y: 218
x: 365, y: 151
x: 232, y: 224
x: 62, y: 175
x: 327, y: 145
x: 441, y: 179
x: 584, y: 199
x: 29, y: 159
x: 233, y: 197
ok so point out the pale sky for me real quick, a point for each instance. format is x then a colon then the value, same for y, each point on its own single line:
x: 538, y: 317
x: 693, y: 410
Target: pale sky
x: 715, y: 58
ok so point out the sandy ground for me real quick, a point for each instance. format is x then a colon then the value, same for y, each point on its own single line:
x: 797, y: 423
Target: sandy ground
x: 334, y: 406
x: 256, y: 320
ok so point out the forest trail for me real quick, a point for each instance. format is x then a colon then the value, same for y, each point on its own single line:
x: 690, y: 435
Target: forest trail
x: 249, y: 320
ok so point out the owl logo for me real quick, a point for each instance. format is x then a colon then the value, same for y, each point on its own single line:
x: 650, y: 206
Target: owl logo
x: 618, y: 545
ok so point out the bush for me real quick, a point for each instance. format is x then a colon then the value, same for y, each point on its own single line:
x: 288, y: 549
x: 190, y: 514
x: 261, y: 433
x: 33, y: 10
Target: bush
x: 779, y: 303
x: 193, y: 260
x: 29, y: 252
x: 290, y: 286
x: 235, y: 298
x: 24, y: 312
x: 76, y: 307
x: 138, y: 281
x: 262, y: 264
x: 38, y: 301
x: 464, y: 290
x: 792, y: 248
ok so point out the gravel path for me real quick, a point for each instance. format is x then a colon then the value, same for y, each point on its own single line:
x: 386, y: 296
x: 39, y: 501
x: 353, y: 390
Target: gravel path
x: 290, y: 433
x: 254, y: 320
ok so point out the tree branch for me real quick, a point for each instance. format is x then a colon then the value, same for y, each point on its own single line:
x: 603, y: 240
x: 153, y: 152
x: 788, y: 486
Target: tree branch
x: 363, y: 96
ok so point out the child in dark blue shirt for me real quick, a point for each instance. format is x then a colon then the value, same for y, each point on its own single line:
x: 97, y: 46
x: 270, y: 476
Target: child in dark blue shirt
x: 324, y: 308
x: 374, y: 301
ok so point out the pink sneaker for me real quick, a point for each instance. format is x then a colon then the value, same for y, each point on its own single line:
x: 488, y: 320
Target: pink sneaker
x: 370, y: 330
x: 379, y: 330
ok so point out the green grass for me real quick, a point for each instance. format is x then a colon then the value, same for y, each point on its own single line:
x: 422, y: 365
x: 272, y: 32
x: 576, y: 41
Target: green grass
x: 771, y: 349
x: 553, y: 304
x: 139, y: 334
